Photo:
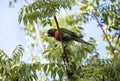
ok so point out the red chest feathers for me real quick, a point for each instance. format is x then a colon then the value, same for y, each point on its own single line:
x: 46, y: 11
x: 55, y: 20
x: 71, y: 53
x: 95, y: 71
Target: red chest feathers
x: 56, y: 35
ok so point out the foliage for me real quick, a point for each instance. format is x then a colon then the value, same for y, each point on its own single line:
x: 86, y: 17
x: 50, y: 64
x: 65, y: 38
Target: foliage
x: 69, y: 61
x: 13, y: 69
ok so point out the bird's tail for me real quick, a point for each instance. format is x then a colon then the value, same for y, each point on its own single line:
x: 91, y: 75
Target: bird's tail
x: 82, y: 41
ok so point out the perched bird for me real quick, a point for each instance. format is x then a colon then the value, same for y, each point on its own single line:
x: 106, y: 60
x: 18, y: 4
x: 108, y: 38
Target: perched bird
x: 65, y: 35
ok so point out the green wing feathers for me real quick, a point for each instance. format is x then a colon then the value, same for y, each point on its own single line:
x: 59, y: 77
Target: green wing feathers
x: 69, y: 33
x: 82, y: 41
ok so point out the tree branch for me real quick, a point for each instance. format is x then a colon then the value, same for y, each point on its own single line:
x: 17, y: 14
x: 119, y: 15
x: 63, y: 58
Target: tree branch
x: 57, y: 23
x: 64, y: 54
x: 65, y: 57
x: 112, y: 49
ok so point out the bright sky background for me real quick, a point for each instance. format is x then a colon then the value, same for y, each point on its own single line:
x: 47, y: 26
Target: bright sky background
x: 11, y: 35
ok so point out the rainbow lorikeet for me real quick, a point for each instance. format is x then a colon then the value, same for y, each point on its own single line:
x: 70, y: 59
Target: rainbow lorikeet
x: 65, y: 35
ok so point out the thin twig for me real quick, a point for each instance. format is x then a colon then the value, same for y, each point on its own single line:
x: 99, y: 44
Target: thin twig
x: 65, y: 57
x: 35, y: 25
x: 58, y: 28
x: 57, y: 24
x: 112, y: 49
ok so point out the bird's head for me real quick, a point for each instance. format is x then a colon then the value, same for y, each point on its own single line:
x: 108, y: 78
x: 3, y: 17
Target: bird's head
x: 51, y: 32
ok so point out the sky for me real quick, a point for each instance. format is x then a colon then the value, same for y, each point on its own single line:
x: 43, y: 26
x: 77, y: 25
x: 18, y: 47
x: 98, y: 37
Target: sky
x: 11, y: 35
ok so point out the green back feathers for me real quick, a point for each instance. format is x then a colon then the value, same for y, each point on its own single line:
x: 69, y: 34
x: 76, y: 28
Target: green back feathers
x: 69, y: 33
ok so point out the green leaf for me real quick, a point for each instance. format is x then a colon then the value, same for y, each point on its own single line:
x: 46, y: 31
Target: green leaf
x: 83, y: 8
x: 26, y: 10
x: 20, y: 19
x: 97, y: 2
x: 45, y: 68
x: 60, y: 73
x: 10, y: 3
x: 35, y: 77
x: 25, y: 20
x: 119, y: 3
x: 112, y: 1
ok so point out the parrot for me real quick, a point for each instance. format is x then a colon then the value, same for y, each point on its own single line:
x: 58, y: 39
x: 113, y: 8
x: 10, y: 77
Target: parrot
x: 65, y: 35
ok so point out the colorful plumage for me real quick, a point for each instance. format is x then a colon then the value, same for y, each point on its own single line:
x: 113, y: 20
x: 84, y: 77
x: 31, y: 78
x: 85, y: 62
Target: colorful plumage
x: 65, y: 35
